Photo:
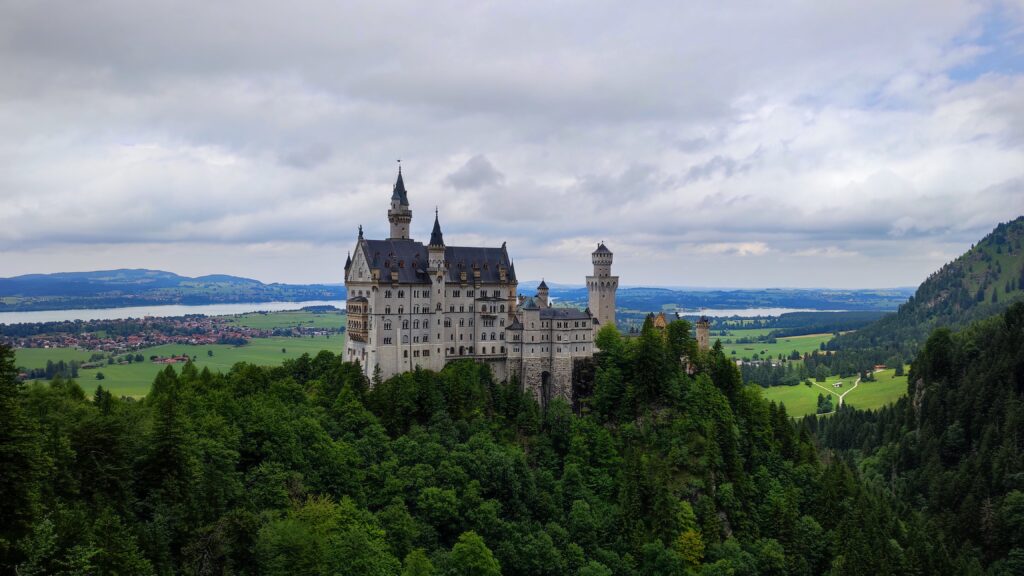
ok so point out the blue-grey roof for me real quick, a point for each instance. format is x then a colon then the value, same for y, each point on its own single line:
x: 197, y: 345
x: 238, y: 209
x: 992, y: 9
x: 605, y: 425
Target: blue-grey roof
x: 542, y: 285
x: 529, y: 304
x: 436, y: 239
x: 602, y: 249
x: 398, y: 193
x: 409, y: 259
x: 563, y: 314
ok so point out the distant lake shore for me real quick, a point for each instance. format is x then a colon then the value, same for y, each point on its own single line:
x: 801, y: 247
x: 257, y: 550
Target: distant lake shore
x: 159, y: 311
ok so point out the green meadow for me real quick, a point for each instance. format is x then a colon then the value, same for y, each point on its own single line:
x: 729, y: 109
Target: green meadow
x: 783, y: 346
x: 135, y: 379
x: 292, y: 319
x: 801, y: 399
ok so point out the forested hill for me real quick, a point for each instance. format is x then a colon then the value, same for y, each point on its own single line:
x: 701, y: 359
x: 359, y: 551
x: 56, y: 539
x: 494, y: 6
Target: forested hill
x: 141, y: 287
x: 304, y: 469
x: 982, y: 282
x: 953, y: 449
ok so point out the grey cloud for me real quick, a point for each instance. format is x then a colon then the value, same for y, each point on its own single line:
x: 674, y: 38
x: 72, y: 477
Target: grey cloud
x: 198, y: 126
x: 477, y: 172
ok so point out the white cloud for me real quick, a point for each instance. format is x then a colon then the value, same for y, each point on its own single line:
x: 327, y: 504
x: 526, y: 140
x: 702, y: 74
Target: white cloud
x: 707, y: 144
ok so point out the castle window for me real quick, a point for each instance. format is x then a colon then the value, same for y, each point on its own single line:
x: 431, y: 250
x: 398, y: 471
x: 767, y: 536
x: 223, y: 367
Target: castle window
x: 501, y: 335
x: 462, y: 308
x: 387, y: 293
x: 455, y: 293
x: 387, y: 341
x: 492, y: 349
x: 451, y: 336
x: 416, y: 339
x: 387, y: 309
x: 451, y: 308
x: 438, y: 307
x: 502, y: 349
x: 483, y: 336
x: 405, y: 339
x: 469, y: 293
x: 497, y: 293
x: 415, y: 323
x: 405, y: 353
x: 401, y: 293
x: 492, y: 336
x: 447, y: 322
x: 502, y: 308
x: 387, y: 325
x: 401, y: 309
x: 405, y: 324
x: 462, y: 322
x: 426, y: 352
x: 416, y: 353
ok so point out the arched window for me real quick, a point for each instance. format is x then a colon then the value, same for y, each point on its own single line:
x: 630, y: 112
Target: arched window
x: 401, y: 293
x: 405, y: 324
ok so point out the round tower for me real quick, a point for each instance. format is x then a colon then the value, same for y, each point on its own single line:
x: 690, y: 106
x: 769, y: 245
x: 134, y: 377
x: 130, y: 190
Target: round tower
x: 704, y: 333
x: 542, y: 294
x: 601, y: 287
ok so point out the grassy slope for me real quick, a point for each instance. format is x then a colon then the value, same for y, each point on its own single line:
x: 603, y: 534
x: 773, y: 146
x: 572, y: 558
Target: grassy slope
x: 271, y: 320
x: 801, y: 400
x: 135, y: 379
x: 782, y: 345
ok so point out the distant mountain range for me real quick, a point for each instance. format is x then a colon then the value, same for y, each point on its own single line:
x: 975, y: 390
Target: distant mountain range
x: 141, y: 287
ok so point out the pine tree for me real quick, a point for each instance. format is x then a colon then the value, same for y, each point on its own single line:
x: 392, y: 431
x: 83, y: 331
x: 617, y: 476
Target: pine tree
x: 21, y: 462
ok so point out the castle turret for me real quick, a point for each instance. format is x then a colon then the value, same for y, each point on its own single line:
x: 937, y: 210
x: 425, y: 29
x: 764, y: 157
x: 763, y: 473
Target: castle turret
x: 704, y: 333
x: 435, y: 249
x: 399, y: 215
x: 542, y: 294
x: 602, y: 286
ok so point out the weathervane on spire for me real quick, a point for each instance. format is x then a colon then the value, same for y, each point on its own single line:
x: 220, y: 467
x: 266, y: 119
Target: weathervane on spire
x: 399, y: 165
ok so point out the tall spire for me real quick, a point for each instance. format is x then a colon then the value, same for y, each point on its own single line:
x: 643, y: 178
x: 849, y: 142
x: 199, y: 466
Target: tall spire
x: 436, y: 239
x: 398, y: 193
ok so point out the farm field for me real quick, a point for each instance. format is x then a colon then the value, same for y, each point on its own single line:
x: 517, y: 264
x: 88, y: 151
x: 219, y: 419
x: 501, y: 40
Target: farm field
x: 301, y: 318
x: 801, y: 400
x: 783, y: 346
x: 887, y: 388
x: 135, y: 379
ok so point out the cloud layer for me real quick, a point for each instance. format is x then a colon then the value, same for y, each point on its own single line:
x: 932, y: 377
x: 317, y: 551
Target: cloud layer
x: 844, y: 144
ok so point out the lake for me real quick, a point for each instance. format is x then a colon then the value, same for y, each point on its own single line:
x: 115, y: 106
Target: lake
x: 164, y: 311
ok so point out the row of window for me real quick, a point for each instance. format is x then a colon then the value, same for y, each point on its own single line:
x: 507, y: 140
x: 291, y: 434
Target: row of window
x: 425, y: 293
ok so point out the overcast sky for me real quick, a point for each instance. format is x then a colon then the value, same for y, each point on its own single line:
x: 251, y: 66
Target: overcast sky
x: 826, y: 144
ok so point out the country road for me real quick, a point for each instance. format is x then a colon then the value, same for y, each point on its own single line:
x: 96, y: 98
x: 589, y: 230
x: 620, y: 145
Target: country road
x: 841, y: 396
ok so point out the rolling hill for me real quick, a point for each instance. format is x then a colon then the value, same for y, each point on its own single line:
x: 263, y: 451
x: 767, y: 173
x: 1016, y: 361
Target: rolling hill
x: 142, y: 287
x: 982, y: 282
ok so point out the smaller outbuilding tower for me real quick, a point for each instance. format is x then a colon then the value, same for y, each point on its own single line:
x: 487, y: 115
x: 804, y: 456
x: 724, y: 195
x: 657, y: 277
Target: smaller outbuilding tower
x: 704, y: 333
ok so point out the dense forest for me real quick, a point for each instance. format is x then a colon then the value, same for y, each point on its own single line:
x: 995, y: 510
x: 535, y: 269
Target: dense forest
x: 982, y: 282
x: 952, y: 451
x: 306, y: 468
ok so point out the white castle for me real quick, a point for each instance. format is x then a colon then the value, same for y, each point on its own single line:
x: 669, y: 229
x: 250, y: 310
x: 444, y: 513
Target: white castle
x: 423, y: 305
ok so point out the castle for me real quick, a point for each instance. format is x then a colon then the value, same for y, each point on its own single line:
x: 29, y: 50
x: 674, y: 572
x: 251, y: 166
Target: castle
x: 423, y: 305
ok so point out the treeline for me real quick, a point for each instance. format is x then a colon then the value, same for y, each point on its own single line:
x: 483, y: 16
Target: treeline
x: 306, y: 469
x: 953, y: 449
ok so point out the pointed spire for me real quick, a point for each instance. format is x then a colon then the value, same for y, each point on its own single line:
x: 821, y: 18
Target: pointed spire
x: 436, y: 239
x: 348, y: 261
x: 543, y: 285
x: 398, y: 192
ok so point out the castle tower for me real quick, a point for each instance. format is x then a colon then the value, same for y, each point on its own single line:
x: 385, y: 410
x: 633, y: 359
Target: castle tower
x: 542, y: 294
x: 399, y: 214
x: 704, y: 333
x: 602, y: 285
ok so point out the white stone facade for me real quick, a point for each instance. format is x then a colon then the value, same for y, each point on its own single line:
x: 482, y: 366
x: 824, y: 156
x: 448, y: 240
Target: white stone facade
x: 423, y: 305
